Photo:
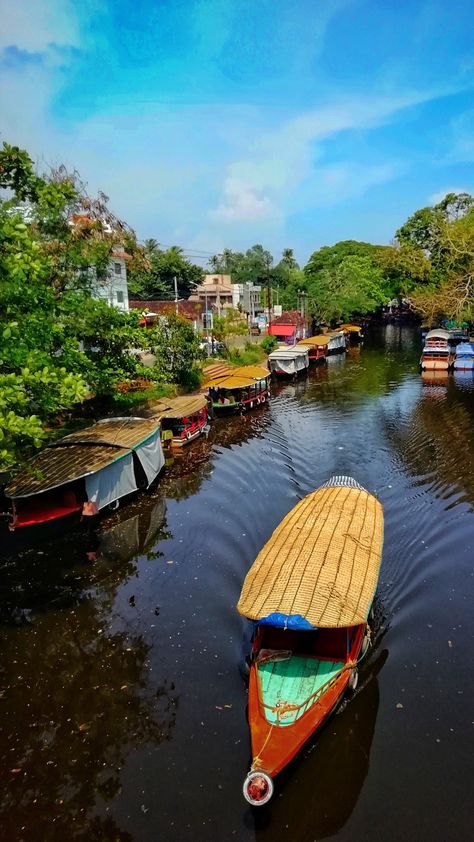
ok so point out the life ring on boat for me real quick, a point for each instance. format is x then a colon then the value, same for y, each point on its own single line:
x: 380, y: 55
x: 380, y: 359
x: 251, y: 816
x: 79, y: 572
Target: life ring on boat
x: 262, y: 399
x: 188, y: 435
x: 113, y: 506
x: 353, y: 679
x: 257, y: 788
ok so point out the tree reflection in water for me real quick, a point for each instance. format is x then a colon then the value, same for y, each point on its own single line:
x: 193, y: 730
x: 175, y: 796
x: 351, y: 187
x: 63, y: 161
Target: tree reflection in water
x: 77, y: 693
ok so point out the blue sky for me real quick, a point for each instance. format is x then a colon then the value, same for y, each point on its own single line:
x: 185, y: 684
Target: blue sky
x: 222, y: 123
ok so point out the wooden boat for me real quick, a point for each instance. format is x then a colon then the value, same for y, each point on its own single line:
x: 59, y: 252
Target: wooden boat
x: 183, y: 419
x: 82, y: 473
x: 317, y: 347
x: 336, y: 342
x: 437, y: 352
x: 238, y: 389
x: 464, y: 360
x: 309, y: 594
x: 289, y: 360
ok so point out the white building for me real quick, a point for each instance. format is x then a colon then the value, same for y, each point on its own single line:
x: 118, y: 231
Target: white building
x: 246, y: 298
x: 114, y: 288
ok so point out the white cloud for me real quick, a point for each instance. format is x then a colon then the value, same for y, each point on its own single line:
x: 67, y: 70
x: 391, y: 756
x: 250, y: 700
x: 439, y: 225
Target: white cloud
x: 282, y: 170
x: 33, y: 25
x: 242, y: 201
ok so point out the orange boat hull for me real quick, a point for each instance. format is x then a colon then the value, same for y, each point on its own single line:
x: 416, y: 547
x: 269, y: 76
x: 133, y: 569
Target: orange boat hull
x: 274, y: 746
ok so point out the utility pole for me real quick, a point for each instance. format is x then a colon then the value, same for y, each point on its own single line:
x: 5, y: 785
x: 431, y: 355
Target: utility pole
x: 269, y: 295
x: 175, y: 294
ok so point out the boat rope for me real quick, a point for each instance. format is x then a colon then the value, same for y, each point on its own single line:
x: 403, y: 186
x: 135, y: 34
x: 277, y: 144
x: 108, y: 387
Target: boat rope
x: 284, y: 707
x: 257, y: 761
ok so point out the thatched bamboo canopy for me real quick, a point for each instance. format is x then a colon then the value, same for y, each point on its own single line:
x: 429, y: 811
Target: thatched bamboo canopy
x: 322, y: 561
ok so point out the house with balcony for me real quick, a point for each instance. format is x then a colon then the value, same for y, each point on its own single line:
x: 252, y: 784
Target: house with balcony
x: 215, y: 293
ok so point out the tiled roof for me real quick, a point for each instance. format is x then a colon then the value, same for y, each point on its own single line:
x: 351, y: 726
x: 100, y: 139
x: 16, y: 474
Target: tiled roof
x: 187, y: 309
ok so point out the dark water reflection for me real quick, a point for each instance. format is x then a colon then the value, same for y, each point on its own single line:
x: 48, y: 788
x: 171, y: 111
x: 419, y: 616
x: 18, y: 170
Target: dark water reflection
x: 122, y: 705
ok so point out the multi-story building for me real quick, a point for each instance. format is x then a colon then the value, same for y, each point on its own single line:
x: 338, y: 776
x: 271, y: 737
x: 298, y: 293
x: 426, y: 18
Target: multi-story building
x: 215, y: 293
x: 114, y: 288
x: 246, y: 298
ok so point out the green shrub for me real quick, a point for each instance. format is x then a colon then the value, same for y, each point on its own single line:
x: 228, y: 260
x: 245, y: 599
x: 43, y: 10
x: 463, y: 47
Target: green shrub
x: 269, y: 343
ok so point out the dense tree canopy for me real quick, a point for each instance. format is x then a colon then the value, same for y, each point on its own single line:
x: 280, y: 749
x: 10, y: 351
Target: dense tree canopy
x: 152, y: 273
x: 57, y: 343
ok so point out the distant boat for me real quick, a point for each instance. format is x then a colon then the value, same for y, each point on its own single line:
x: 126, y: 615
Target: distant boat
x: 86, y: 471
x: 354, y: 332
x: 231, y: 390
x: 317, y: 347
x: 337, y: 342
x: 464, y: 357
x: 309, y: 594
x: 289, y: 360
x: 437, y: 352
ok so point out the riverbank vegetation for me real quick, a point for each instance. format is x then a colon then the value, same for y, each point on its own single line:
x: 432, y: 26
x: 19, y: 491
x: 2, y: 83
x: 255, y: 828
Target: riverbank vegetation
x: 59, y: 344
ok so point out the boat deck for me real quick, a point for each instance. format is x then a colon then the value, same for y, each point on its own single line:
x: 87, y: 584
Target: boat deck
x: 292, y: 681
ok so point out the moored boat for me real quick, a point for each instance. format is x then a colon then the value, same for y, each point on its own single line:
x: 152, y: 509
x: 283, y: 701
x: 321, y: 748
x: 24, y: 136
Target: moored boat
x: 437, y: 352
x: 309, y: 594
x: 353, y: 331
x: 336, y: 342
x: 238, y: 389
x: 464, y: 360
x: 289, y: 360
x: 86, y: 471
x: 183, y: 419
x: 317, y: 347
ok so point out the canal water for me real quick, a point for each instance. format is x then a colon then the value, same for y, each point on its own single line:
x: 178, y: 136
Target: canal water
x: 122, y: 699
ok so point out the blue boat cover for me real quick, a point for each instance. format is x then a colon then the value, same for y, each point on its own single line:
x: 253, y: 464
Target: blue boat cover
x: 464, y: 349
x: 286, y: 621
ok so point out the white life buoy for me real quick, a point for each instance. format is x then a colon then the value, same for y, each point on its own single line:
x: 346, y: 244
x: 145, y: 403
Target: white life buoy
x: 188, y: 435
x: 262, y: 399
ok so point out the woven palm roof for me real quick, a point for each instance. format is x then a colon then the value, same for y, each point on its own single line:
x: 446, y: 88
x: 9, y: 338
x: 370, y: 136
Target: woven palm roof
x: 180, y: 407
x: 232, y: 382
x: 256, y: 372
x: 351, y: 328
x: 321, y: 339
x: 237, y: 377
x: 81, y: 454
x: 322, y: 561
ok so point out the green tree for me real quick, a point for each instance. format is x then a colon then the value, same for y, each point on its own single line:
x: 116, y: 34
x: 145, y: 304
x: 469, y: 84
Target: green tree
x: 56, y: 343
x: 177, y: 351
x: 354, y: 286
x: 152, y: 273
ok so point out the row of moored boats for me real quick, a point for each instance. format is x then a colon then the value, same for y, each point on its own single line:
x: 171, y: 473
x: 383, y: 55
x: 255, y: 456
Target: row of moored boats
x: 444, y: 350
x: 88, y: 471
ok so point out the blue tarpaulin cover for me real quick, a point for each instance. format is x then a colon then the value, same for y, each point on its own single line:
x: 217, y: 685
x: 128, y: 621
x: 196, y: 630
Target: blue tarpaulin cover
x: 286, y: 621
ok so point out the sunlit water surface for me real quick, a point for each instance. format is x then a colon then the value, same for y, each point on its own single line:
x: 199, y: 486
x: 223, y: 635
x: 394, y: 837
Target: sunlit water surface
x: 122, y: 704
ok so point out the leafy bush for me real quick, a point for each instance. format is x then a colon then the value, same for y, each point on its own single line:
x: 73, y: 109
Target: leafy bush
x: 268, y: 344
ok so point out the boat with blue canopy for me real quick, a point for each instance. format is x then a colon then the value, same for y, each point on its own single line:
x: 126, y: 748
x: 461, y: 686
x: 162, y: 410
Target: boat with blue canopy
x: 464, y: 357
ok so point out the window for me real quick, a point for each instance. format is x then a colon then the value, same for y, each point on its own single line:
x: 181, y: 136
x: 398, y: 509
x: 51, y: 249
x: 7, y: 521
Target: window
x: 118, y: 268
x: 119, y: 296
